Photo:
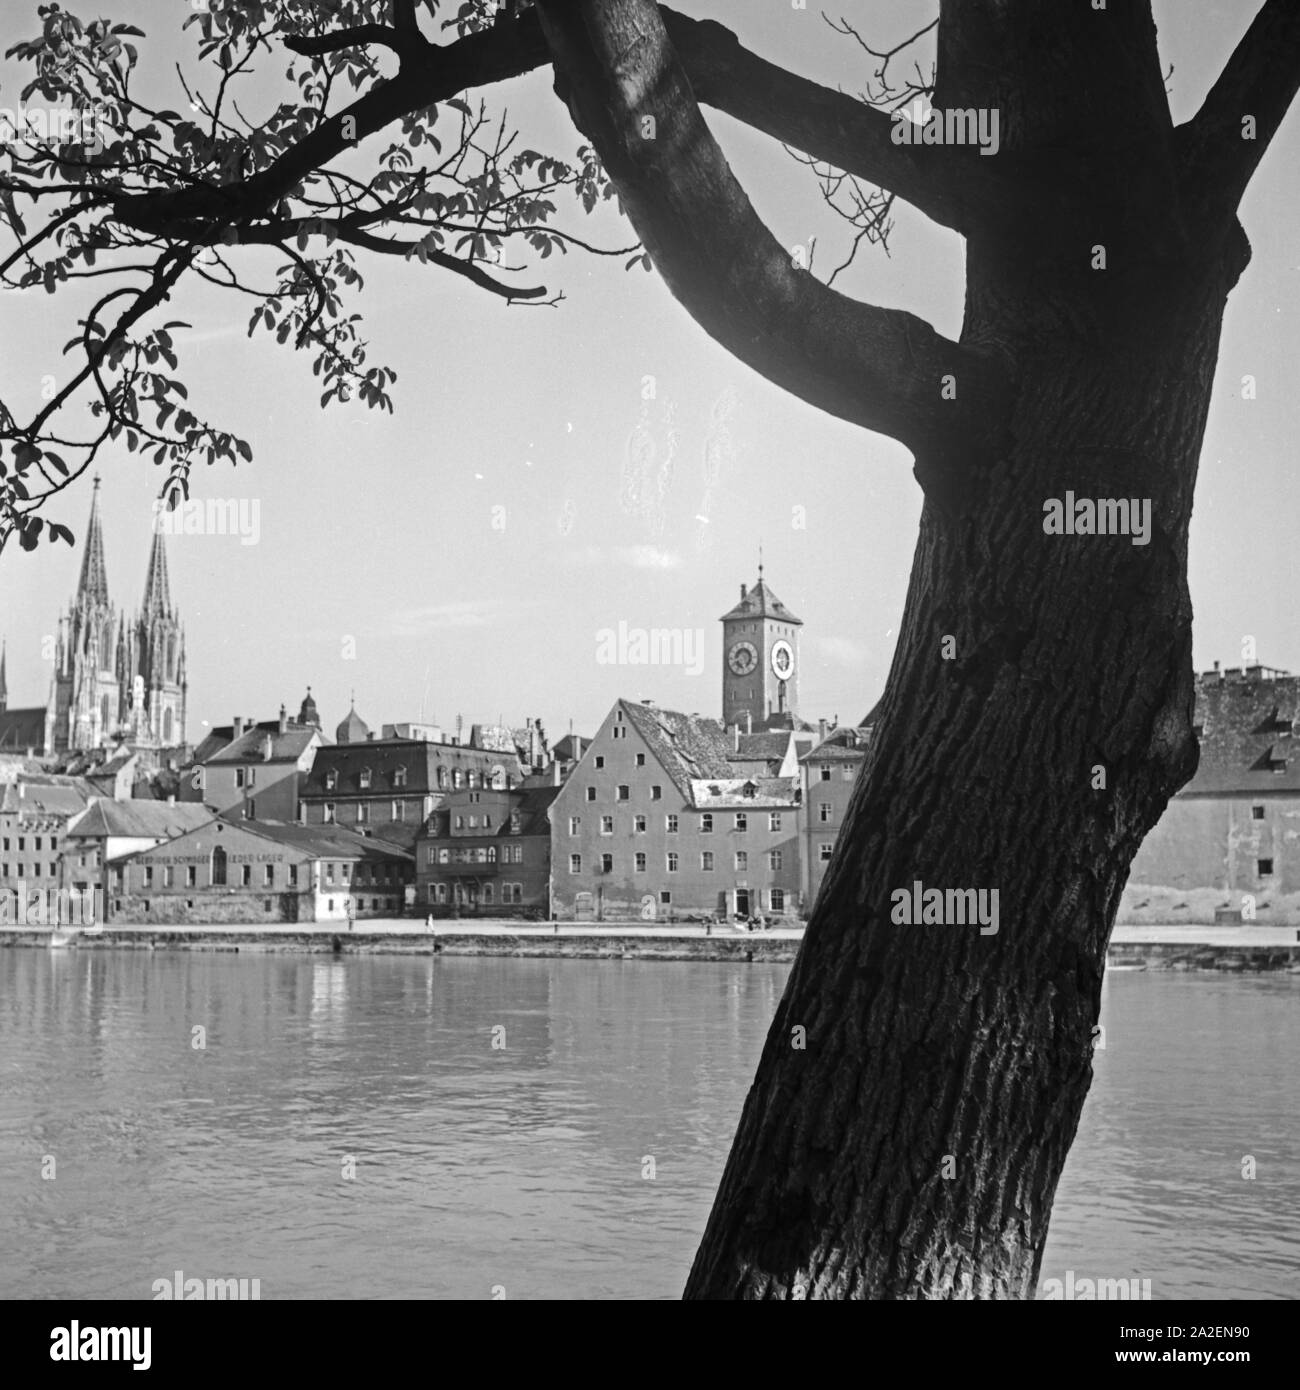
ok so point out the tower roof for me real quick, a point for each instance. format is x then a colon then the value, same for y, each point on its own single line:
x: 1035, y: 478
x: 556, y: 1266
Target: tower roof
x: 157, y: 590
x: 308, y: 714
x: 353, y: 729
x: 92, y: 587
x: 761, y: 602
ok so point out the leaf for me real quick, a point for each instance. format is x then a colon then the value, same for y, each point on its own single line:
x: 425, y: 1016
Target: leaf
x: 58, y: 463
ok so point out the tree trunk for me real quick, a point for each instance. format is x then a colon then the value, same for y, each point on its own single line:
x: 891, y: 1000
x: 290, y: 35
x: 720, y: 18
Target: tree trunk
x: 921, y: 1084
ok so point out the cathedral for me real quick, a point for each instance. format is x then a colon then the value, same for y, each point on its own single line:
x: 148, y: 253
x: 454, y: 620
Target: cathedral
x: 117, y: 679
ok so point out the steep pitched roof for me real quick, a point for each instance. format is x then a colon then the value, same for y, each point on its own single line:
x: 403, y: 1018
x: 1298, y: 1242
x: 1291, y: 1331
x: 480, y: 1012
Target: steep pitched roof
x: 687, y: 745
x: 92, y: 586
x: 1249, y: 729
x: 325, y: 841
x: 761, y: 602
x: 21, y: 729
x: 31, y: 797
x: 842, y: 745
x: 140, y: 818
x: 157, y: 591
x: 745, y: 793
x: 286, y: 747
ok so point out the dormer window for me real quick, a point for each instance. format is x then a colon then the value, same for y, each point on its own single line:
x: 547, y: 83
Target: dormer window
x: 399, y: 777
x: 365, y: 778
x: 515, y: 822
x: 331, y: 780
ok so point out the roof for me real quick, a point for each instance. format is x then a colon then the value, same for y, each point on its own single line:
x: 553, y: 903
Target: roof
x: 531, y: 803
x: 761, y: 602
x: 352, y: 729
x: 744, y: 793
x: 564, y: 749
x: 140, y: 818
x: 383, y: 757
x: 324, y: 841
x: 765, y: 747
x: 687, y: 745
x: 1248, y: 724
x: 842, y: 745
x: 33, y: 797
x: 21, y: 729
x: 286, y: 747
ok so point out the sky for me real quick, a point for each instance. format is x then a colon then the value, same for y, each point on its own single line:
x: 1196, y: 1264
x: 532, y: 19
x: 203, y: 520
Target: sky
x: 464, y: 555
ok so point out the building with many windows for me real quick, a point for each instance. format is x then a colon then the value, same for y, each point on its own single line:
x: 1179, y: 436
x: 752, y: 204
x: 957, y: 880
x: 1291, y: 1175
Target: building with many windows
x: 488, y: 852
x: 830, y: 772
x: 653, y: 824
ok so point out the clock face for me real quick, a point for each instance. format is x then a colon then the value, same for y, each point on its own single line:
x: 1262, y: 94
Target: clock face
x: 782, y: 659
x: 742, y: 658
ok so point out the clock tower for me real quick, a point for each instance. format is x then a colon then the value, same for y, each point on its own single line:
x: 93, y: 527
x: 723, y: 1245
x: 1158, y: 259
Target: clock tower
x: 760, y: 661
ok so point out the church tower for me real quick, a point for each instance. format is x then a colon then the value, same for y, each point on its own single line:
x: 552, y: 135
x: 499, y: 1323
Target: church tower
x: 760, y: 661
x: 87, y: 701
x: 153, y: 662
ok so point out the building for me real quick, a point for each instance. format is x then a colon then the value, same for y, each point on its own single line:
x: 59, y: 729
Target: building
x: 488, y: 851
x: 652, y: 823
x: 96, y: 842
x: 256, y: 771
x: 261, y: 872
x: 390, y: 786
x: 117, y: 678
x: 1228, y: 845
x: 760, y: 672
x: 35, y: 811
x: 829, y: 772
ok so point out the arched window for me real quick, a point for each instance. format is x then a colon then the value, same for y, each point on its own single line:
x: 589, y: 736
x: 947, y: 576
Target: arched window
x: 456, y: 777
x: 171, y: 659
x: 219, y: 867
x: 470, y: 778
x: 442, y: 776
x: 167, y: 726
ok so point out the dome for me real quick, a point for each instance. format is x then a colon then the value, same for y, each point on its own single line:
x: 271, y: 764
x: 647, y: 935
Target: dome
x: 353, y: 729
x: 308, y: 713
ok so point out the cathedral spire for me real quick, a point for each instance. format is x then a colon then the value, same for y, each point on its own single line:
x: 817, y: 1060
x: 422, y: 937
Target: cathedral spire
x: 157, y: 591
x: 92, y: 587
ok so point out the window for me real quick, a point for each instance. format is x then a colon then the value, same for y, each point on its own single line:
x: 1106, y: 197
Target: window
x: 591, y: 793
x: 239, y: 778
x: 640, y: 863
x: 456, y: 777
x: 640, y: 760
x: 38, y: 843
x: 638, y: 824
x: 329, y: 813
x: 607, y: 825
x: 670, y: 824
x: 742, y: 861
x: 575, y: 824
x: 169, y: 877
x: 487, y: 894
x: 665, y: 897
x: 268, y: 875
x: 430, y: 856
x: 777, y: 898
x: 471, y: 779
x: 487, y: 821
x: 600, y: 760
x: 442, y: 776
x: 36, y: 870
x: 473, y: 822
x: 706, y: 822
x: 460, y: 822
x: 1257, y: 813
x: 245, y: 875
x: 656, y: 793
x: 398, y: 810
x: 252, y: 775
x: 825, y: 852
x: 442, y: 892
x: 399, y: 777
x: 742, y: 820
x: 331, y: 780
x: 444, y: 856
x: 672, y: 861
x: 250, y: 810
x: 293, y: 875
x: 491, y: 854
x: 191, y: 876
x: 516, y: 822
x: 619, y: 731
x: 774, y: 820
x: 54, y: 844
x: 774, y: 860
x: 219, y: 867
x: 148, y: 875
x: 329, y: 873
x: 346, y: 872
x: 363, y: 812
x: 824, y: 811
x: 706, y: 861
x: 825, y: 772
x: 302, y: 813
x: 575, y: 863
x: 22, y: 842
x: 1265, y: 867
x: 607, y: 863
x: 624, y: 792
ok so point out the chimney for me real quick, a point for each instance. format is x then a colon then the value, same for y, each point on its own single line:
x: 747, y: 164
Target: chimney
x: 284, y: 720
x: 238, y: 723
x: 555, y: 766
x: 749, y: 721
x: 266, y: 748
x: 742, y: 591
x: 577, y: 747
x: 821, y: 731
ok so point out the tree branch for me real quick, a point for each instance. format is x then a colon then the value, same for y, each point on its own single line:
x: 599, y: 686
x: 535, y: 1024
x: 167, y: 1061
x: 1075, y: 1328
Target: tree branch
x: 315, y: 45
x: 882, y: 369
x: 1218, y: 153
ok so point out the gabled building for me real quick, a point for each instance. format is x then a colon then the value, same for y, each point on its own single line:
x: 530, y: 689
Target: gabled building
x: 251, y: 872
x: 488, y: 852
x: 1228, y: 843
x: 654, y: 824
x: 829, y: 772
x: 35, y: 811
x: 258, y: 773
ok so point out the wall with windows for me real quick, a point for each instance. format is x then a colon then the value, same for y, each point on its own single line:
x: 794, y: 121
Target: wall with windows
x: 827, y: 787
